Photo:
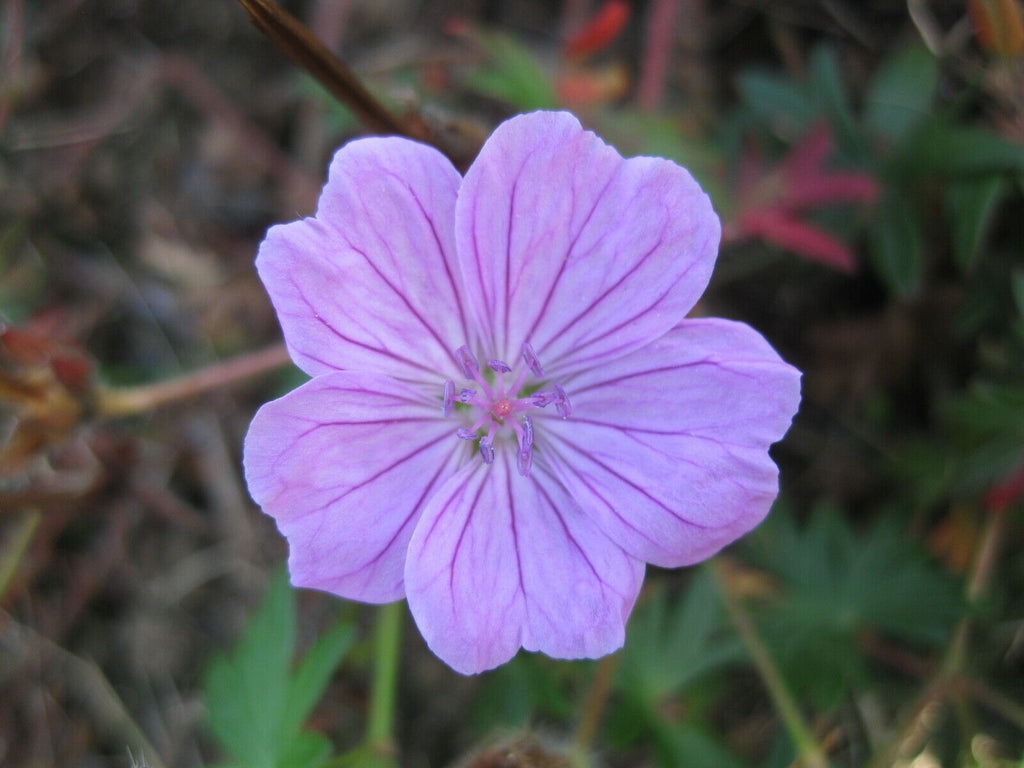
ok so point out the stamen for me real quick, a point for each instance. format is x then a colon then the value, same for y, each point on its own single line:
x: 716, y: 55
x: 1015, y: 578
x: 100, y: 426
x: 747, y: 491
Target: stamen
x: 562, y: 404
x: 531, y: 360
x: 486, y: 450
x: 449, y: 398
x: 543, y: 399
x: 524, y: 460
x: 468, y: 362
x: 527, y: 432
x: 498, y: 404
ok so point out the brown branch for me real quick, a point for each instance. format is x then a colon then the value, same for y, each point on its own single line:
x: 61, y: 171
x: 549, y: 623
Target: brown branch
x: 306, y: 50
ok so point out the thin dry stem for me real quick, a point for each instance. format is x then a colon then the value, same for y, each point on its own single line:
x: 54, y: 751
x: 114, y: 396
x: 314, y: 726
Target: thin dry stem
x: 130, y: 401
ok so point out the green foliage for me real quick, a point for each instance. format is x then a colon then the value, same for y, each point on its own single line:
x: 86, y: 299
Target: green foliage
x: 529, y: 686
x: 901, y: 93
x: 692, y: 633
x: 897, y: 241
x: 672, y: 646
x: 257, y: 703
x: 908, y: 142
x: 513, y: 75
x: 834, y: 584
x: 986, y: 429
x: 970, y: 205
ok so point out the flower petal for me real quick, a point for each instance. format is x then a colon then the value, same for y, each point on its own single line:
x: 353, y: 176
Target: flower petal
x: 667, y: 448
x: 500, y: 561
x: 369, y: 284
x: 345, y: 464
x: 564, y: 244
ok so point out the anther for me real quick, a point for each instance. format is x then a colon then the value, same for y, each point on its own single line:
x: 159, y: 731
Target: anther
x: 449, y: 398
x: 465, y: 433
x: 524, y: 460
x: 486, y: 450
x: 468, y: 362
x: 498, y: 366
x: 527, y: 432
x: 543, y: 399
x: 465, y: 395
x: 531, y: 360
x: 562, y: 404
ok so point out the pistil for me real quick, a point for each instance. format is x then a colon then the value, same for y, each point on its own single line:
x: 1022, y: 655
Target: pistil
x: 497, y: 405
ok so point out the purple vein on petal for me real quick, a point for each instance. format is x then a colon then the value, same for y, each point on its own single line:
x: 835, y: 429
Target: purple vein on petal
x: 568, y: 258
x: 338, y: 334
x: 403, y: 297
x: 583, y: 477
x: 445, y: 344
x: 350, y: 489
x: 642, y: 262
x: 510, y: 497
x: 416, y: 510
x: 565, y: 528
x: 632, y: 484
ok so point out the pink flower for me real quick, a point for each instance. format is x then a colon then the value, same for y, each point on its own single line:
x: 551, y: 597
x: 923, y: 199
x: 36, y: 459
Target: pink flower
x: 509, y: 414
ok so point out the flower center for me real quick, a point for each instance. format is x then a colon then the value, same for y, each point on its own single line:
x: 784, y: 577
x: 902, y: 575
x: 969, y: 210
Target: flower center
x: 497, y: 404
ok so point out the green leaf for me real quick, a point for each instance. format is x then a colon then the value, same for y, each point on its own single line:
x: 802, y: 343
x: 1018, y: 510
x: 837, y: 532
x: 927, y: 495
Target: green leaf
x: 834, y: 584
x: 363, y: 756
x: 246, y: 689
x: 527, y: 686
x: 901, y: 93
x: 1017, y: 287
x: 672, y: 647
x: 313, y: 674
x: 779, y: 101
x: 256, y: 706
x: 671, y: 644
x: 514, y: 75
x: 940, y: 148
x: 986, y: 429
x: 897, y: 247
x: 827, y: 85
x: 693, y: 746
x: 304, y: 749
x: 970, y: 205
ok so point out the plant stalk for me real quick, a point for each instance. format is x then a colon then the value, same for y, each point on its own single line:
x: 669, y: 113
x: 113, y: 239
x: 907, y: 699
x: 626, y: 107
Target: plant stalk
x: 380, y: 730
x: 810, y: 752
x: 130, y: 401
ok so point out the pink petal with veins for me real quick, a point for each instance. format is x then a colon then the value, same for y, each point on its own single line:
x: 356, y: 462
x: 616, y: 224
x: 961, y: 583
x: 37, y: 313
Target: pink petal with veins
x: 346, y: 464
x: 565, y: 245
x: 667, y: 449
x: 369, y: 283
x: 500, y: 562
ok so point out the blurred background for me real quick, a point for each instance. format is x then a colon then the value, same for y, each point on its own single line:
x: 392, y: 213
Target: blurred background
x: 866, y: 159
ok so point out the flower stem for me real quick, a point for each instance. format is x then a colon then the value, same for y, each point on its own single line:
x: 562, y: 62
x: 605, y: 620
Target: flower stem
x: 380, y: 728
x: 15, y: 547
x: 917, y: 727
x: 129, y: 401
x: 593, y: 708
x: 306, y: 49
x: 810, y: 752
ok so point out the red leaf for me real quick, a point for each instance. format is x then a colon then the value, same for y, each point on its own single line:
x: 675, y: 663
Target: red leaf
x: 597, y: 35
x: 794, y: 235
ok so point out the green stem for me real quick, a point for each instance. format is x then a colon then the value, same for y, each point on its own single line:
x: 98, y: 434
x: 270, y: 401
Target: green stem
x: 380, y: 728
x: 915, y: 728
x: 810, y: 752
x: 14, y: 549
x: 593, y: 708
